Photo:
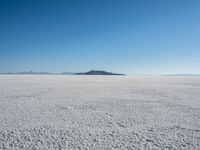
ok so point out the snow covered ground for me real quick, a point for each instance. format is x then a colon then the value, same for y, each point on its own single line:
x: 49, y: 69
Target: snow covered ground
x: 99, y: 112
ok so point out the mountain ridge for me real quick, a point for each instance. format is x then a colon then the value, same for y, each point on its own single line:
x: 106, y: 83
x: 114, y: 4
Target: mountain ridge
x: 98, y: 72
x: 91, y: 72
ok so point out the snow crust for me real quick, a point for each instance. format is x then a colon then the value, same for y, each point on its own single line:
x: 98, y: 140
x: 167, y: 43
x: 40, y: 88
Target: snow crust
x: 40, y: 112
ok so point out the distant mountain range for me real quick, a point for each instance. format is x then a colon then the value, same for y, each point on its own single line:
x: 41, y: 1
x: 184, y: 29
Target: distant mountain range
x: 92, y: 72
x: 98, y: 72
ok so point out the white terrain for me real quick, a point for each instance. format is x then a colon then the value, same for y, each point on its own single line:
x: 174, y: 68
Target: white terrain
x: 57, y: 112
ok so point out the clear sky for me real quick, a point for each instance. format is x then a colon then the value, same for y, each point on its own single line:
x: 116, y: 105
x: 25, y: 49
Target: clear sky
x: 125, y: 36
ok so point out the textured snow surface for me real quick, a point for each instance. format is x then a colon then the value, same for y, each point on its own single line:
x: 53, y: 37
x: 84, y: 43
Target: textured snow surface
x: 99, y: 112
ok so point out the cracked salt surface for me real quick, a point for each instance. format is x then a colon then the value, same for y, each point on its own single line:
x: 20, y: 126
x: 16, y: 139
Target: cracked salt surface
x: 99, y: 112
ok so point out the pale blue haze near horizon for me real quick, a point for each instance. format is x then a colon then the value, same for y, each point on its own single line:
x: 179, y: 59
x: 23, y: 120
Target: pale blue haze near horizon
x: 125, y: 36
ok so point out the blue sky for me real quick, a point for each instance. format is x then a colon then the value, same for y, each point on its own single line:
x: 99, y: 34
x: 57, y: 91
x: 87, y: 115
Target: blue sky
x: 126, y: 36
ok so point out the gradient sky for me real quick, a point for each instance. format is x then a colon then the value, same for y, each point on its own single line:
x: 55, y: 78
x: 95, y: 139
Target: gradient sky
x: 126, y: 36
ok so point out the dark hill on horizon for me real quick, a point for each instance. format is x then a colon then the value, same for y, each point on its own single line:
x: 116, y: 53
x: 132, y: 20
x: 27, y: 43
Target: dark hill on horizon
x: 92, y: 72
x: 98, y: 72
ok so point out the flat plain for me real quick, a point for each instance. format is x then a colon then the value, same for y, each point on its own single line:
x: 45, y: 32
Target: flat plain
x: 40, y: 112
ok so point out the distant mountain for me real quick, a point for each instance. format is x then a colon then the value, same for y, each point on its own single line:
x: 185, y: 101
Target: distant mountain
x: 92, y: 72
x: 98, y: 72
